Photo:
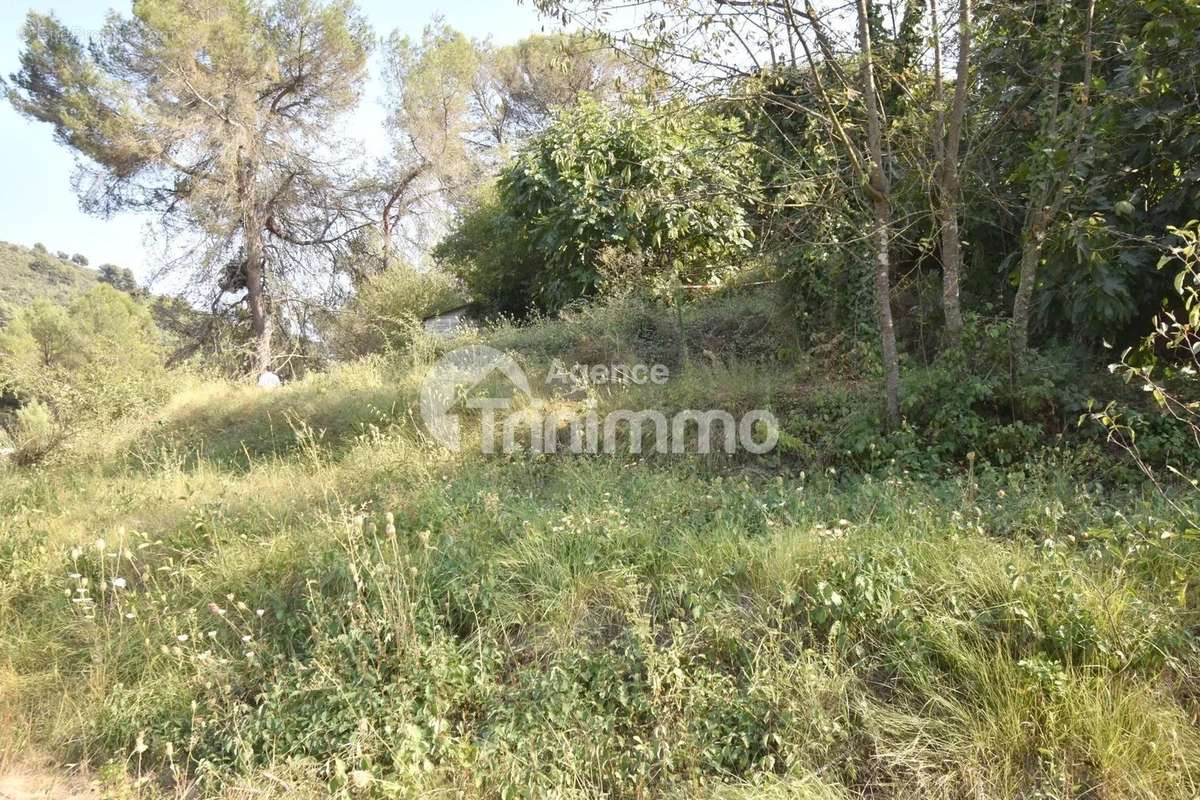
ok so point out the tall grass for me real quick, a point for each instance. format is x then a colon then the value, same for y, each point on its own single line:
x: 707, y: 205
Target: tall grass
x: 295, y: 593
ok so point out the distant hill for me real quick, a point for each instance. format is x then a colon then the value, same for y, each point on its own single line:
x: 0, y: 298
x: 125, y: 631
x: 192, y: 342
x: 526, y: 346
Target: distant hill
x: 27, y: 273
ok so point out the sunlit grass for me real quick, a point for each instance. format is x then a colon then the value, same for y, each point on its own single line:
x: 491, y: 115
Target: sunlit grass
x: 296, y: 592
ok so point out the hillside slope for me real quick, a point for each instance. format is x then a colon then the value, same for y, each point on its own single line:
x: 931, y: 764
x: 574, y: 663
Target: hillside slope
x: 296, y: 593
x: 26, y: 274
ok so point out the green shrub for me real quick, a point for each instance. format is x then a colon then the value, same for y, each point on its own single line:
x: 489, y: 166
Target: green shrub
x: 969, y: 399
x: 966, y: 402
x: 386, y: 312
x: 100, y: 358
x: 490, y: 253
x: 34, y: 433
x: 671, y: 185
x: 1165, y: 367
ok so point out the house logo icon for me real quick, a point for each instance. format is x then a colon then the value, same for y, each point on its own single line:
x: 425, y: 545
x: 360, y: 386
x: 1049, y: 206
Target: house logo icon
x: 450, y: 382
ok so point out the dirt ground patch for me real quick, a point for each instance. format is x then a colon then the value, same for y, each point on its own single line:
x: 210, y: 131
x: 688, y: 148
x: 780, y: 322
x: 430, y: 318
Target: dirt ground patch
x: 21, y: 784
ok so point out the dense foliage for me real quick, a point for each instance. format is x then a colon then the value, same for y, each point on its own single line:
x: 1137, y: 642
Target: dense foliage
x: 1131, y: 176
x: 669, y: 184
x: 386, y: 311
x: 99, y: 358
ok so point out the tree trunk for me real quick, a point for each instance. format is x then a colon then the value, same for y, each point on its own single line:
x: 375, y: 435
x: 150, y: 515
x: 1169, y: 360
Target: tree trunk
x: 951, y: 264
x: 1033, y: 232
x: 883, y: 300
x: 261, y: 325
x: 947, y: 151
x: 1031, y: 254
x: 878, y: 189
x: 1047, y: 203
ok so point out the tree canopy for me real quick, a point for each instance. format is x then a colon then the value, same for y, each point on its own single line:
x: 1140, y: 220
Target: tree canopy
x: 216, y: 116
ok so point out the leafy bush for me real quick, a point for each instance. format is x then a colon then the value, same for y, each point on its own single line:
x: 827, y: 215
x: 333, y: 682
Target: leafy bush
x: 490, y: 253
x: 671, y: 184
x: 98, y: 359
x: 34, y: 432
x: 808, y: 223
x: 969, y: 400
x: 1166, y: 366
x: 386, y: 312
x: 967, y: 404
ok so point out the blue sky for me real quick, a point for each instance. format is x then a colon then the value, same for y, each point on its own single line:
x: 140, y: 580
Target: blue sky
x: 36, y: 200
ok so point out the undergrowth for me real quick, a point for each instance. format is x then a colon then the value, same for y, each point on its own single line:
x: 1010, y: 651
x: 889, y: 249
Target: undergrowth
x: 297, y: 592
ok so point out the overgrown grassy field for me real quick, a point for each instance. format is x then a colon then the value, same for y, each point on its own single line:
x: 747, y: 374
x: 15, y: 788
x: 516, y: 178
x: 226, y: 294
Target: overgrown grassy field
x: 296, y: 592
